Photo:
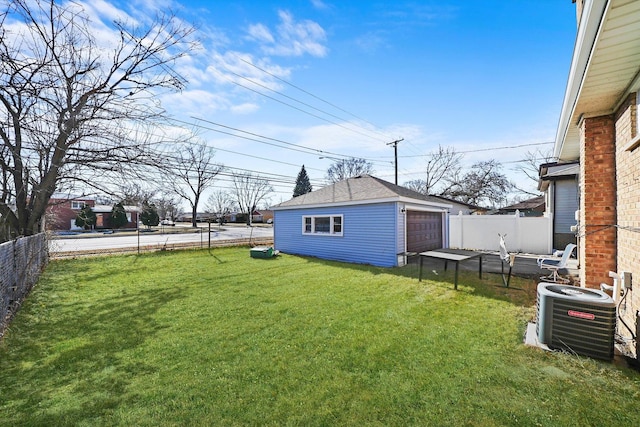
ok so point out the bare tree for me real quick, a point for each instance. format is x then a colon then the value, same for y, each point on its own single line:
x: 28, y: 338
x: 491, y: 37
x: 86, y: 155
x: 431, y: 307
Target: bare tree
x: 348, y: 168
x: 193, y: 171
x: 133, y: 194
x: 168, y: 207
x: 417, y: 185
x: 249, y: 190
x: 484, y: 184
x: 530, y: 167
x: 442, y: 165
x: 440, y: 172
x: 67, y: 103
x: 221, y: 203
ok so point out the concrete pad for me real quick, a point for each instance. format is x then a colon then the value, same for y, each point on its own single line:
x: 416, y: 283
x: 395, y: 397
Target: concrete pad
x: 525, y: 265
x: 531, y: 338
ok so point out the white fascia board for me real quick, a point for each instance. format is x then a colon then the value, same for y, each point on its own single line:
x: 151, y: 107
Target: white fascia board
x: 420, y: 208
x: 414, y: 202
x: 334, y: 204
x: 588, y: 30
x: 406, y: 200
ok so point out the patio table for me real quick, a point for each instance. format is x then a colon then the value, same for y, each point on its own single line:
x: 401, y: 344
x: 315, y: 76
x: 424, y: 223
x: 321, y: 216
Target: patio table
x: 456, y: 257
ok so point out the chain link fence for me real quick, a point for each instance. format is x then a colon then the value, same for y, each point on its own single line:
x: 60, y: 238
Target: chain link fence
x: 21, y: 262
x: 140, y: 248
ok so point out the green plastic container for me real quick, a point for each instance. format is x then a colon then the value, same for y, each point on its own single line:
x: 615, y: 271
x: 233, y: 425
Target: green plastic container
x: 261, y: 252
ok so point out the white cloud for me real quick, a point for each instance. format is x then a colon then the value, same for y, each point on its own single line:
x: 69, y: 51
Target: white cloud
x: 100, y: 10
x: 195, y: 103
x: 319, y: 4
x: 244, y: 70
x: 260, y: 33
x: 245, y: 108
x: 293, y: 38
x: 370, y: 42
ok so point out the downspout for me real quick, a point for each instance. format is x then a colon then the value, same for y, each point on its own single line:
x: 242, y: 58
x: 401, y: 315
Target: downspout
x: 446, y: 226
x: 403, y: 210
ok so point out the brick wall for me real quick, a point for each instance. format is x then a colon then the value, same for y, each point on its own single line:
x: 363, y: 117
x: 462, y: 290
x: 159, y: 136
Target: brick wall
x: 60, y: 213
x: 597, y: 241
x: 628, y: 203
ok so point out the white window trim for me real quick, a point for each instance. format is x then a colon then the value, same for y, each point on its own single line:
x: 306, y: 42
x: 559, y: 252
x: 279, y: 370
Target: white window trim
x: 75, y: 204
x: 331, y: 224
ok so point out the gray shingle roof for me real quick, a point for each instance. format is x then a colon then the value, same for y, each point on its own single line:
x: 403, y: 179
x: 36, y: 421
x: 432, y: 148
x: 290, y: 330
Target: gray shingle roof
x: 357, y: 189
x: 527, y: 204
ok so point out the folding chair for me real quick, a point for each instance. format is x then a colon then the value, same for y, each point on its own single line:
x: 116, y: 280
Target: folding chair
x: 555, y: 264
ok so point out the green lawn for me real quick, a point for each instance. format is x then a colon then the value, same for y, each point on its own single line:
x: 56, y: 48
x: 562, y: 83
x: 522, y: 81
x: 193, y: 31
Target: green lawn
x: 218, y: 338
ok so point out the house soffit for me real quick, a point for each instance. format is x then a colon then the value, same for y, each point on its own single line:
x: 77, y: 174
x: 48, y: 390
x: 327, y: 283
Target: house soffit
x: 610, y: 73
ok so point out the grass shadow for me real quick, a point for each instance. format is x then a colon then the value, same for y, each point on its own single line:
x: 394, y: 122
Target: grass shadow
x: 490, y: 286
x: 83, y: 358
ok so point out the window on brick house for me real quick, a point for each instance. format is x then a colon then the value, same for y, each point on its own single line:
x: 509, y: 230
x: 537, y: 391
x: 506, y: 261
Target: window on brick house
x: 77, y: 205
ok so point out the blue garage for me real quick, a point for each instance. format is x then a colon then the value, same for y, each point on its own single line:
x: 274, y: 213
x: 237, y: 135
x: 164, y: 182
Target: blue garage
x: 363, y: 220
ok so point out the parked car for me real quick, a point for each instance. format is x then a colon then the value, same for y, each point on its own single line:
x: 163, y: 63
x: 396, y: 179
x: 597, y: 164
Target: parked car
x: 167, y: 222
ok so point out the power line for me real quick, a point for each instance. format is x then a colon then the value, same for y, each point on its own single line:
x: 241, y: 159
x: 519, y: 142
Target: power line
x: 317, y: 151
x: 302, y: 103
x: 311, y: 94
x: 298, y: 147
x: 478, y: 150
x: 300, y: 109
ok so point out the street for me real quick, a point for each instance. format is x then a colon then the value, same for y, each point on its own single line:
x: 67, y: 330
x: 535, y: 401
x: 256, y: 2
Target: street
x: 105, y: 242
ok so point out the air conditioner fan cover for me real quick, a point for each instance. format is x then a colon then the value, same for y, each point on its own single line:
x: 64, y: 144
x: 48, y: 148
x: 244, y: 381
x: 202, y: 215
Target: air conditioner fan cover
x: 578, y: 320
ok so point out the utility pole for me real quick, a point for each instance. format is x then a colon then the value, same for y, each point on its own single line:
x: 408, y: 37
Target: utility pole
x: 395, y: 154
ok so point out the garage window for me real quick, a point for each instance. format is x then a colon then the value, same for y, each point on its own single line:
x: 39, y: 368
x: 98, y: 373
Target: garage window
x: 326, y: 225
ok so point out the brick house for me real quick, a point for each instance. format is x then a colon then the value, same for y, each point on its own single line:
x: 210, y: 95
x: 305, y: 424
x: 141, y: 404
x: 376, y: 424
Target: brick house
x: 63, y: 210
x: 103, y: 213
x: 599, y: 126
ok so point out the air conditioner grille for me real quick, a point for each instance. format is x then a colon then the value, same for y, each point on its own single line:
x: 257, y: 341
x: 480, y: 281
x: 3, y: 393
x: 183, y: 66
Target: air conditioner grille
x: 578, y: 320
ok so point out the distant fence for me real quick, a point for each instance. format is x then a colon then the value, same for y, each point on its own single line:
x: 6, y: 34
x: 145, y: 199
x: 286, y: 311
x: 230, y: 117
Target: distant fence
x: 161, y: 247
x: 21, y: 262
x: 480, y: 232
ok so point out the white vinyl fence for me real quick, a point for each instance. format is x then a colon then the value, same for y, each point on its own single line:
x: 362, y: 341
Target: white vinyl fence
x: 523, y: 234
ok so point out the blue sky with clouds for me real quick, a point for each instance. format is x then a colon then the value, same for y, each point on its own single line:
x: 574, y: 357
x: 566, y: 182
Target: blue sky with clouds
x: 346, y: 78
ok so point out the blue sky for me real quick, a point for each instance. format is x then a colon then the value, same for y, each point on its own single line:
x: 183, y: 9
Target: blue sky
x: 473, y: 75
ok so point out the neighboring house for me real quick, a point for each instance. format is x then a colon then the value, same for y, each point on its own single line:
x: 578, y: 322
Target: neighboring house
x: 600, y: 126
x: 258, y: 216
x: 200, y: 217
x: 457, y: 207
x: 63, y: 210
x: 262, y: 215
x: 559, y: 182
x: 361, y: 220
x: 531, y: 207
x: 103, y: 213
x: 235, y: 216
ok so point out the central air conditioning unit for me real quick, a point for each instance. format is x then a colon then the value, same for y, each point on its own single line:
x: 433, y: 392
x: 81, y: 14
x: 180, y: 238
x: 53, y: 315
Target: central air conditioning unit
x: 579, y: 320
